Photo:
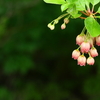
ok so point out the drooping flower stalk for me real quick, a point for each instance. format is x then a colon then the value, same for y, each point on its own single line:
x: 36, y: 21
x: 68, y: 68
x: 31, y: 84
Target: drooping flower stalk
x: 90, y: 34
x: 86, y: 45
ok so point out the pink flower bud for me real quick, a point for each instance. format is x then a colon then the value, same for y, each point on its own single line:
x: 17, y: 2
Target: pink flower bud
x: 81, y: 60
x: 98, y: 40
x: 90, y: 61
x: 93, y: 52
x: 79, y: 39
x: 63, y: 26
x: 66, y: 20
x: 85, y: 47
x: 75, y: 54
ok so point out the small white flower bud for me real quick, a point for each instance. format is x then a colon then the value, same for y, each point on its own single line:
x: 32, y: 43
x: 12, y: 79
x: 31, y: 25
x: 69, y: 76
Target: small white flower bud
x: 52, y: 27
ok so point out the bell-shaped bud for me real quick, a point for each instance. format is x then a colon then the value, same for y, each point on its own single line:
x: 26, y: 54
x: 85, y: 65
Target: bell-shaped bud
x: 80, y: 38
x: 66, y: 20
x: 85, y: 47
x: 93, y: 52
x: 51, y: 26
x: 90, y: 61
x: 75, y: 54
x: 63, y: 26
x: 81, y: 60
x: 98, y: 40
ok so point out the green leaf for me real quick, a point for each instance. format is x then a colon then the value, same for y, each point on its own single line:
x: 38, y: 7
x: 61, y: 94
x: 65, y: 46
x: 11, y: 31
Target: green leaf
x: 94, y: 2
x: 73, y: 11
x: 71, y: 1
x: 92, y: 26
x: 80, y: 5
x: 87, y: 2
x: 76, y: 15
x: 64, y: 6
x: 98, y: 10
x: 55, y: 1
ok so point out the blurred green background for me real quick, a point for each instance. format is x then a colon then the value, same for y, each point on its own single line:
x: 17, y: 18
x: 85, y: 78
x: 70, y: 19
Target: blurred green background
x: 35, y: 62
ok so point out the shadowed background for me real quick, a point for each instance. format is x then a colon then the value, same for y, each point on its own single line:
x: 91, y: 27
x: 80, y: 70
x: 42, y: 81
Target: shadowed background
x: 35, y: 62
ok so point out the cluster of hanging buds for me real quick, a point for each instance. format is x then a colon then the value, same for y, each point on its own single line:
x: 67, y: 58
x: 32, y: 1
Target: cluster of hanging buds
x: 86, y: 46
x: 87, y: 39
x: 54, y: 22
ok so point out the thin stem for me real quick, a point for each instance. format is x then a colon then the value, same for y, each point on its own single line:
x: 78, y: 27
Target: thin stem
x: 87, y: 36
x: 89, y: 54
x: 84, y: 13
x: 78, y: 48
x: 95, y: 13
x: 68, y: 16
x: 83, y: 30
x: 88, y: 13
x: 82, y: 17
x: 92, y: 9
x: 62, y: 16
x: 82, y: 54
x: 89, y: 10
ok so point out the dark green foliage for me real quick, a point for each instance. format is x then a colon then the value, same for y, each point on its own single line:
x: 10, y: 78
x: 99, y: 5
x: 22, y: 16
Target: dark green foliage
x: 35, y: 62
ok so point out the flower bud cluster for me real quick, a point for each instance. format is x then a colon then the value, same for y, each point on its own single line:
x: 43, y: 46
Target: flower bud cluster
x: 63, y: 26
x: 86, y: 46
x: 66, y: 21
